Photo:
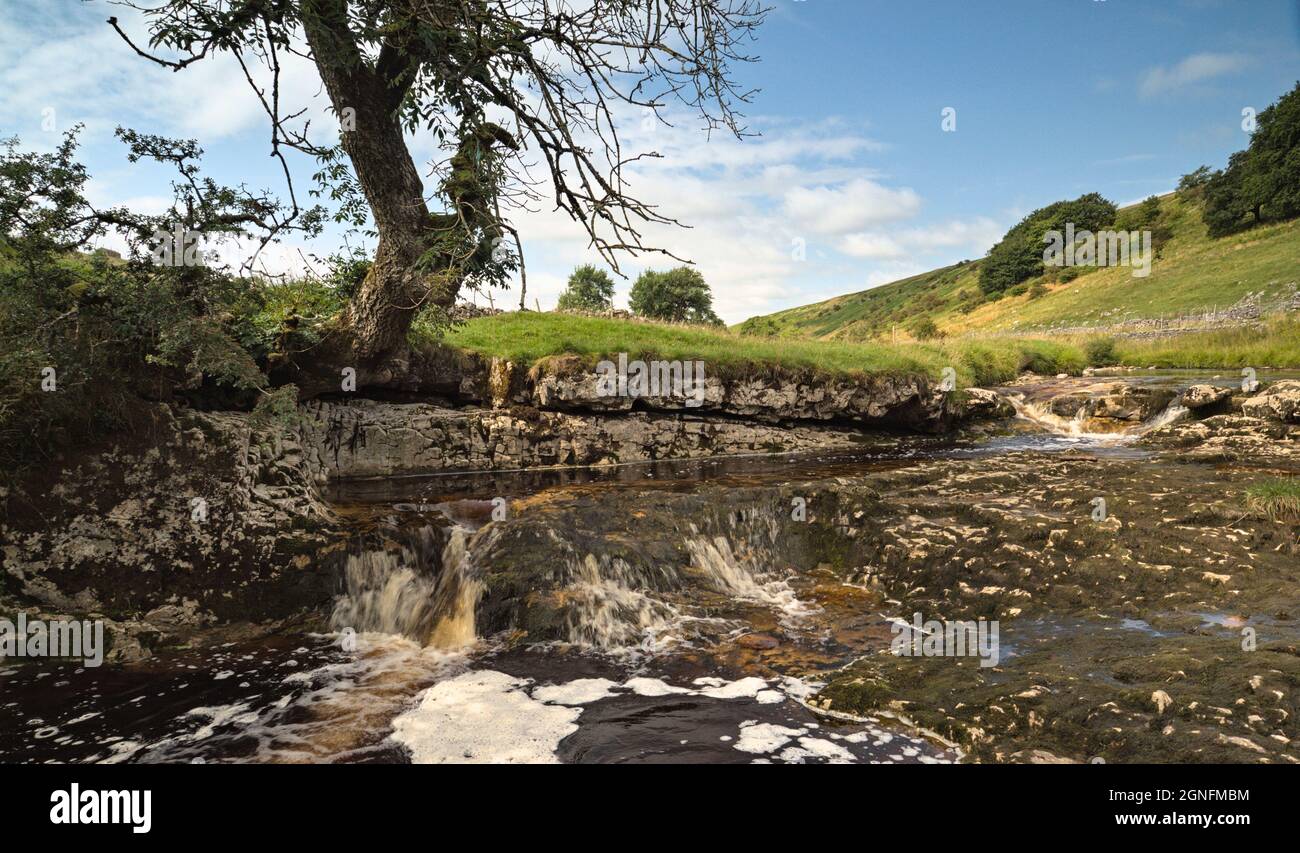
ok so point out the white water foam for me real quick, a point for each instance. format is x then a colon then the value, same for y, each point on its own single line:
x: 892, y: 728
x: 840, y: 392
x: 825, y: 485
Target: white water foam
x: 483, y: 717
x: 489, y: 716
x: 1076, y: 427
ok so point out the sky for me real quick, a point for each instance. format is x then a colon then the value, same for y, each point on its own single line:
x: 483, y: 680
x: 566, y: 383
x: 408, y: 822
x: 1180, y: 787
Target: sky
x: 852, y: 180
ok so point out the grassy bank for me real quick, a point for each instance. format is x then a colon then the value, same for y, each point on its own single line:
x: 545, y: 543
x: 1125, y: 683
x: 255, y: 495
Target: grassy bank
x: 529, y: 337
x: 1275, y: 345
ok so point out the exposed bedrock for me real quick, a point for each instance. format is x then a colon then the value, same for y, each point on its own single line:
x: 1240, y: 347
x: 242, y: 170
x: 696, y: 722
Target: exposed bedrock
x: 189, y: 520
x: 369, y: 439
x: 1119, y: 637
x: 769, y: 395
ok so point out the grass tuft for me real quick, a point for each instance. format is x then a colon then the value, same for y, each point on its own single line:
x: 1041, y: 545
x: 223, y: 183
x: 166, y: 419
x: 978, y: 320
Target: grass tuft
x: 1276, y: 500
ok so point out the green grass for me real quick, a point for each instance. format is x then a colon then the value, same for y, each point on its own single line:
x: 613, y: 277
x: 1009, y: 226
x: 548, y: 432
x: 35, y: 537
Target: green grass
x: 875, y: 313
x: 1193, y: 273
x: 1276, y: 345
x: 529, y: 337
x: 1277, y: 500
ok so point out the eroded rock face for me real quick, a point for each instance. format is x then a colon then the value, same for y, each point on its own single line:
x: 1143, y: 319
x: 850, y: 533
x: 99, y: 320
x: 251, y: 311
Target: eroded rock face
x: 200, y: 518
x: 368, y: 439
x: 1131, y: 402
x: 908, y: 402
x: 983, y: 404
x: 1280, y: 401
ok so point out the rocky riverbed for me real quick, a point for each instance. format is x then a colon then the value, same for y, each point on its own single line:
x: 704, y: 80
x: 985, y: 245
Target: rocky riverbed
x: 736, y: 580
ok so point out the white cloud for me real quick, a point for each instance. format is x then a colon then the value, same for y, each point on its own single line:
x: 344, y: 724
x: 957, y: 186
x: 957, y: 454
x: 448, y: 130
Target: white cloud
x: 851, y: 206
x: 976, y: 236
x: 66, y: 57
x: 1194, y: 69
x: 869, y: 245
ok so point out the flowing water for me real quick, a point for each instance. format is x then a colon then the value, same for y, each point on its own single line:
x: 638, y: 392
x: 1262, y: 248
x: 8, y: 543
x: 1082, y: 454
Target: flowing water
x: 644, y: 674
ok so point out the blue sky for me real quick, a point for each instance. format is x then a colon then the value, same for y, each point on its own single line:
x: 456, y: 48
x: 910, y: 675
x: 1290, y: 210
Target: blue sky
x: 1053, y: 98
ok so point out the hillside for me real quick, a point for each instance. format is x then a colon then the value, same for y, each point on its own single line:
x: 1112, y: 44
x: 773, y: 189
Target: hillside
x: 1192, y: 273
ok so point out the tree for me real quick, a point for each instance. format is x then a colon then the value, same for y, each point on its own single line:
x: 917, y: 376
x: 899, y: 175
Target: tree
x: 1263, y: 181
x: 1226, y: 202
x: 590, y: 289
x: 1019, y: 255
x: 492, y: 82
x: 1194, y: 182
x: 1276, y: 148
x: 678, y: 296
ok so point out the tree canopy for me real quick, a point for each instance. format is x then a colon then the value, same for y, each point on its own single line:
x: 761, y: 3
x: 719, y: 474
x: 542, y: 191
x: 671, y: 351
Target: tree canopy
x: 1019, y: 255
x: 589, y: 289
x: 1263, y: 181
x: 678, y: 296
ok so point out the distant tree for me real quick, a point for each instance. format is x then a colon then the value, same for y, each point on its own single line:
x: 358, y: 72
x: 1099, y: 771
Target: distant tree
x: 1019, y: 255
x: 1226, y: 199
x: 1194, y: 182
x: 590, y: 289
x: 1146, y: 217
x: 760, y: 326
x: 679, y: 295
x: 1149, y: 210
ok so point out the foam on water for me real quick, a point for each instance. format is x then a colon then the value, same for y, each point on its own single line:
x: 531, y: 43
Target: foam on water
x: 483, y: 717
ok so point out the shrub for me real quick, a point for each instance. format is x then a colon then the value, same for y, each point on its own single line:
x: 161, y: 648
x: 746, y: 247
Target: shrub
x: 87, y: 337
x: 925, y: 329
x: 1100, y: 352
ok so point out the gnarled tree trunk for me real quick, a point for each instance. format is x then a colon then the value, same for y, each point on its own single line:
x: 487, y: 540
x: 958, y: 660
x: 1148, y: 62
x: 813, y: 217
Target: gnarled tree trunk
x: 366, y: 99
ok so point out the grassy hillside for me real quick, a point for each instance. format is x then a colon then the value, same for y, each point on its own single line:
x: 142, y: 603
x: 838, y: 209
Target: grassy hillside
x: 1192, y: 273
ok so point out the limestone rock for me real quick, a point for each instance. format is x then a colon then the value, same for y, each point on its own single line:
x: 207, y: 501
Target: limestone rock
x: 1280, y: 401
x: 1198, y: 397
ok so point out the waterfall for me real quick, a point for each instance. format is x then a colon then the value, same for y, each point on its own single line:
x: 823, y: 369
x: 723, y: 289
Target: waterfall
x: 1042, y: 416
x: 607, y: 610
x: 730, y: 574
x: 412, y: 588
x: 1171, y: 413
x: 1077, y: 426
